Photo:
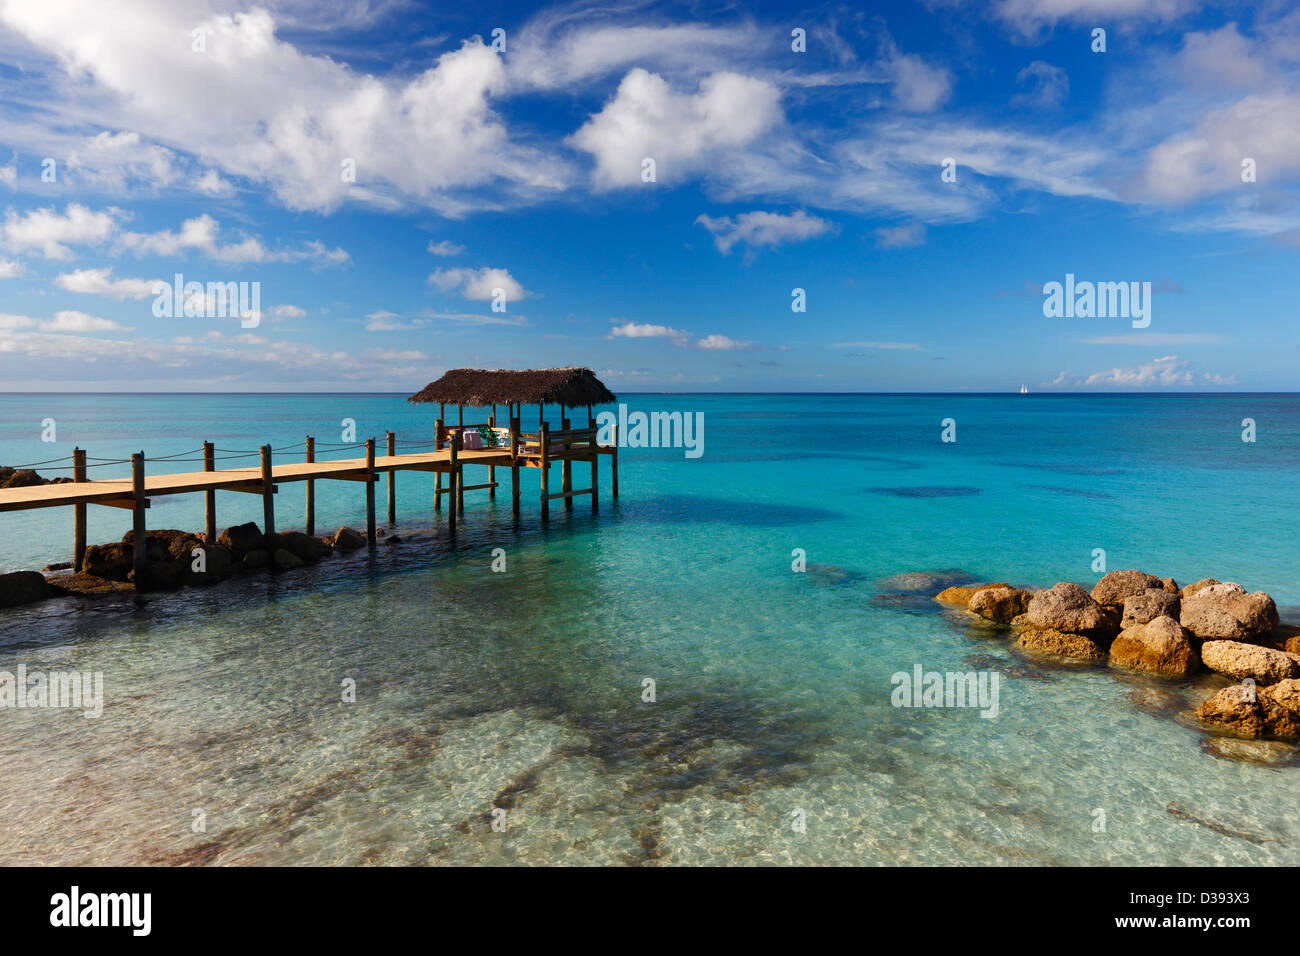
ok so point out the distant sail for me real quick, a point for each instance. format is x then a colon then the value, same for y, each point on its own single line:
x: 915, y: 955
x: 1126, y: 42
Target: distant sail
x: 1024, y: 389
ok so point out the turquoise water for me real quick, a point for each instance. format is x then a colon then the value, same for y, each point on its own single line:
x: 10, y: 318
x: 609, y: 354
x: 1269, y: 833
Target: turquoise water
x: 523, y: 690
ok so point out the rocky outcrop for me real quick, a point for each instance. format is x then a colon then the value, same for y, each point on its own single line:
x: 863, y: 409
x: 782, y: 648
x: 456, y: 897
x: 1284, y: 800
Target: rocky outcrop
x: 112, y: 562
x: 1147, y: 605
x: 87, y: 585
x: 22, y: 587
x: 286, y: 560
x: 1256, y: 711
x: 1068, y: 607
x: 25, y: 478
x: 1118, y: 585
x: 345, y: 539
x: 1048, y: 640
x: 1001, y: 604
x: 1264, y: 665
x: 1227, y: 612
x: 306, y: 548
x: 1170, y: 585
x: 1198, y: 586
x: 1160, y: 646
x: 241, y: 539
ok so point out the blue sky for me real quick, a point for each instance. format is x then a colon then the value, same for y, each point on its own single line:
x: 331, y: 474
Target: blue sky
x: 210, y: 137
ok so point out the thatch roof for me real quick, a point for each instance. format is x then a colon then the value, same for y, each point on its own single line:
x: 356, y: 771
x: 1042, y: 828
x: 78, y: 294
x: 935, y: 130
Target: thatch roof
x: 573, y: 387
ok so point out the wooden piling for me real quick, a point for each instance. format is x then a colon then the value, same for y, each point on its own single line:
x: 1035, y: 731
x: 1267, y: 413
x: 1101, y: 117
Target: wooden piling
x: 392, y: 481
x: 268, y: 496
x: 78, y: 513
x: 209, y: 497
x: 139, y: 560
x: 492, y: 469
x: 452, y: 475
x: 311, y: 488
x: 595, y: 466
x: 546, y: 467
x: 437, y: 475
x: 370, y: 492
x: 613, y: 463
x: 514, y: 466
x: 566, y: 466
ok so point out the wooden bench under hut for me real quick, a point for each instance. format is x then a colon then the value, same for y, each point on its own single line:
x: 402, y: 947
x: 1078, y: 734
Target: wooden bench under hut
x: 487, y: 443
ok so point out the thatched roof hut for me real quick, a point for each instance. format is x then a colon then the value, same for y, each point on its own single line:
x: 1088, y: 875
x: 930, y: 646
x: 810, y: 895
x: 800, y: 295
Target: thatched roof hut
x: 479, y: 387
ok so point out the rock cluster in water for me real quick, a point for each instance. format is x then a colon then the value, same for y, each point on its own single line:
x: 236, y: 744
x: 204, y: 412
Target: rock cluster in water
x: 1138, y: 622
x: 179, y: 558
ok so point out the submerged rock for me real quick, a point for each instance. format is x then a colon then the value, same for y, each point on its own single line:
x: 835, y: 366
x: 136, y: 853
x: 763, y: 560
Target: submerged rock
x: 286, y: 560
x: 1147, y: 605
x: 831, y: 575
x: 87, y: 585
x: 1048, y: 640
x: 960, y: 595
x: 1264, y: 665
x: 1255, y: 711
x: 1118, y: 585
x: 1160, y: 646
x: 1068, y: 607
x: 1002, y: 604
x: 1268, y: 753
x: 346, y: 539
x: 22, y: 587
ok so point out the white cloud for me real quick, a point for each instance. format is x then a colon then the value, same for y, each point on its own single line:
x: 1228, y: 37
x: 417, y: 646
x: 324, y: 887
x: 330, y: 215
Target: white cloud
x: 9, y: 175
x: 10, y: 322
x: 52, y: 232
x: 1156, y: 338
x: 1167, y: 371
x: 287, y: 312
x: 918, y: 87
x: 763, y: 229
x: 647, y: 330
x: 1031, y: 16
x: 480, y: 284
x: 69, y: 320
x: 721, y: 343
x: 101, y: 282
x: 887, y: 346
x: 445, y: 248
x: 10, y: 269
x: 900, y: 237
x: 681, y: 132
x: 383, y: 321
x: 202, y: 235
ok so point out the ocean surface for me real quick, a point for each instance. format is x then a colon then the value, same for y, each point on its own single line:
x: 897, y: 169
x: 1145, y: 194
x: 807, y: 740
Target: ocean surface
x: 225, y: 738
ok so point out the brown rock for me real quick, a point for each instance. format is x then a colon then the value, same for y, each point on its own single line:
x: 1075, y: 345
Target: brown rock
x: 1239, y: 661
x: 218, y: 564
x: 1199, y: 585
x: 1068, y: 607
x: 26, y: 478
x: 961, y: 595
x: 286, y: 560
x: 1117, y: 585
x: 111, y: 561
x: 1001, y: 604
x: 87, y: 585
x: 1160, y: 646
x: 1293, y: 644
x: 1170, y: 585
x: 1227, y: 612
x: 1255, y: 711
x: 241, y: 539
x: 258, y: 558
x: 22, y: 587
x: 345, y: 539
x: 304, y: 547
x: 1051, y: 641
x: 1147, y: 605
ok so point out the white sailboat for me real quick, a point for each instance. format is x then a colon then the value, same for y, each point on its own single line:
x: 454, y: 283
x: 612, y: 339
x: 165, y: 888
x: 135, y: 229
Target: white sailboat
x: 1024, y: 389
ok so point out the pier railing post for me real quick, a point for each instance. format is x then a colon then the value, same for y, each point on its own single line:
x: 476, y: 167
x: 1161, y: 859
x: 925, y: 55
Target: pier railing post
x: 392, y: 481
x: 210, y: 497
x: 595, y: 466
x: 514, y: 466
x: 492, y: 469
x: 311, y: 488
x: 139, y: 561
x: 268, y: 496
x: 370, y: 492
x: 452, y: 476
x: 437, y: 475
x: 460, y: 473
x: 79, y: 513
x: 546, y: 468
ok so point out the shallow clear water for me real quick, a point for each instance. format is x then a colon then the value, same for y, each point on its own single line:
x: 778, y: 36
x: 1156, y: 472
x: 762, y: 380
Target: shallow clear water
x: 523, y: 690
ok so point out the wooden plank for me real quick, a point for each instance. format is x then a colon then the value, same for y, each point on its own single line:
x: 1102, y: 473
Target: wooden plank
x: 570, y: 494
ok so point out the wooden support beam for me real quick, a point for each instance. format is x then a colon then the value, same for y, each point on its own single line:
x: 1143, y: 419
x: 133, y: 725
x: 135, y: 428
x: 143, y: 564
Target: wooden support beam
x: 545, y: 466
x: 139, y: 561
x: 437, y: 476
x: 492, y: 469
x: 370, y: 493
x: 595, y: 467
x: 566, y: 467
x: 459, y: 474
x: 311, y: 488
x: 392, y: 481
x: 79, y: 513
x: 455, y: 474
x: 613, y: 461
x: 567, y: 495
x: 268, y: 495
x: 209, y: 497
x: 126, y: 504
x: 514, y: 466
